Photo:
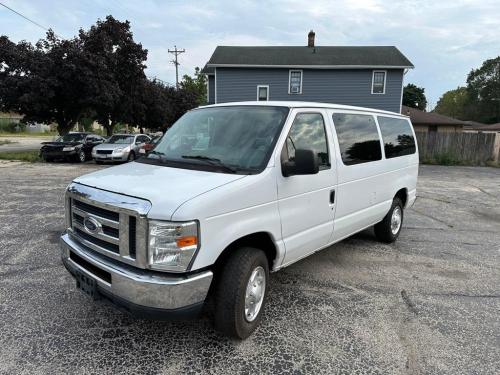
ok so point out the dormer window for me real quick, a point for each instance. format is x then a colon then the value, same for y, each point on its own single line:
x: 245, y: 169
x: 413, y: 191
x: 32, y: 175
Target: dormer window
x: 295, y: 82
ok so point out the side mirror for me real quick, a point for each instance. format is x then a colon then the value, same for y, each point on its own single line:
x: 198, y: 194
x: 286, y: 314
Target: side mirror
x: 305, y: 162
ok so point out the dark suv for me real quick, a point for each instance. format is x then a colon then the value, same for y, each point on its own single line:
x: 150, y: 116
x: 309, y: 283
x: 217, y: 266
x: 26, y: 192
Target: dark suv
x: 72, y: 146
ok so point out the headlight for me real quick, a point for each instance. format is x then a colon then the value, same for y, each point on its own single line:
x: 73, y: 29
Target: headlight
x: 69, y: 148
x: 172, y: 245
x: 117, y: 150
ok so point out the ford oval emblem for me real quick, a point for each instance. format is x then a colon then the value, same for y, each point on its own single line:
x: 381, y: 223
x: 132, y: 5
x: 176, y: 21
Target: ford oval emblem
x: 91, y: 224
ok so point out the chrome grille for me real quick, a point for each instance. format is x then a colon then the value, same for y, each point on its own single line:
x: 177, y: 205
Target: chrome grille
x: 112, y: 224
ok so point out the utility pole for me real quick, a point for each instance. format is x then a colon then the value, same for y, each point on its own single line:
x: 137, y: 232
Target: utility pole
x: 176, y: 52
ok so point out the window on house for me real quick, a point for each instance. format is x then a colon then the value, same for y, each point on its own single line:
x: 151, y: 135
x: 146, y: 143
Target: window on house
x: 397, y: 136
x: 378, y: 82
x: 262, y: 93
x: 308, y: 132
x: 358, y: 138
x: 295, y: 86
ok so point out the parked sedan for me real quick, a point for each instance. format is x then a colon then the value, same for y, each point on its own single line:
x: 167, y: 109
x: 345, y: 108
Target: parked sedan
x: 120, y: 147
x: 72, y: 146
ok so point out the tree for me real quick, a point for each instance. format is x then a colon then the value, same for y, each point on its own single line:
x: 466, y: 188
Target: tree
x: 44, y: 82
x: 483, y: 88
x: 454, y: 103
x: 196, y: 85
x: 414, y: 96
x: 97, y: 75
x: 165, y: 104
x: 119, y: 72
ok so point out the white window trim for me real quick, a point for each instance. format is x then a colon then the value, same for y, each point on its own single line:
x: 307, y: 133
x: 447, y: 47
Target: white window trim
x: 290, y: 78
x: 215, y: 84
x: 208, y: 89
x: 267, y: 90
x: 385, y: 80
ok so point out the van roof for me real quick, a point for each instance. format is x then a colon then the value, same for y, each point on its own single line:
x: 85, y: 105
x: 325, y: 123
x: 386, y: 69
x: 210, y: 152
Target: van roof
x: 297, y: 104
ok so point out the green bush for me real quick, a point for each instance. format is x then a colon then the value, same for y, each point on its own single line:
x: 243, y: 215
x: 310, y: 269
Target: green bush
x: 29, y: 156
x: 12, y: 127
x: 446, y: 158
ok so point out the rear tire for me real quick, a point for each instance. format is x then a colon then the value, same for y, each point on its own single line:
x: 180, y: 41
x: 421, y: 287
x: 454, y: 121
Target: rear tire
x: 241, y: 292
x: 389, y: 228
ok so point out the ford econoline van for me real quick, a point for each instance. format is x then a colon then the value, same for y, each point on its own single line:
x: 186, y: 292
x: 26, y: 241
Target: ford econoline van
x: 231, y: 193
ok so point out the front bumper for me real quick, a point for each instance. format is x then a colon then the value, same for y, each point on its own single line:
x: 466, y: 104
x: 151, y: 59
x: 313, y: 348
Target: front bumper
x: 121, y: 156
x: 140, y: 291
x: 58, y: 154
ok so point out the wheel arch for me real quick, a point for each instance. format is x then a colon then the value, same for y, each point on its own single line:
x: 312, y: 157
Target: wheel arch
x: 403, y: 195
x: 260, y: 240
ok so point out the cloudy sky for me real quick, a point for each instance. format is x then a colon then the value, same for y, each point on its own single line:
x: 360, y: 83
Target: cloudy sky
x: 444, y: 39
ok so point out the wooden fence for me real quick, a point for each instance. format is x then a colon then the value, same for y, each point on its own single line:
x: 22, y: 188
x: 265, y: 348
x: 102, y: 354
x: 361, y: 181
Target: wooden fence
x: 473, y: 148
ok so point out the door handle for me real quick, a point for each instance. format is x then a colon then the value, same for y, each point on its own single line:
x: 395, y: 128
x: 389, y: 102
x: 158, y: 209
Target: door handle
x: 332, y: 196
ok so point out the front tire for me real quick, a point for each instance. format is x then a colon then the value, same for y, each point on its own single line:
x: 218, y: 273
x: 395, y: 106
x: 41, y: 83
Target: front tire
x: 389, y: 228
x: 81, y: 157
x: 131, y: 156
x: 241, y: 293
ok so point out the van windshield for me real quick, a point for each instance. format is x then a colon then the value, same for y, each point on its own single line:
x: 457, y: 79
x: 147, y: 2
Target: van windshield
x: 232, y: 139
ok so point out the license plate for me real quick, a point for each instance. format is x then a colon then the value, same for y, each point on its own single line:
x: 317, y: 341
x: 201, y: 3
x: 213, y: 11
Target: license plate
x: 86, y: 284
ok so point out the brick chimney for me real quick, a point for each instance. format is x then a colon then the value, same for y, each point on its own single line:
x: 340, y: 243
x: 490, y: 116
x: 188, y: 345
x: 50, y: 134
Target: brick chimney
x: 310, y: 38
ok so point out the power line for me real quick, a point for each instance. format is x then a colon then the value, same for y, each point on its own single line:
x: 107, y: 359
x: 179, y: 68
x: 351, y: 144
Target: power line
x: 27, y: 18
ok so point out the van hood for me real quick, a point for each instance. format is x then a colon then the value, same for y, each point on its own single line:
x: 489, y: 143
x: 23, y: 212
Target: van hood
x: 165, y: 187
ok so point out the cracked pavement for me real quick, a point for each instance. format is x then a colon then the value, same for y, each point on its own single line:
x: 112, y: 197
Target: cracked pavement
x: 429, y: 303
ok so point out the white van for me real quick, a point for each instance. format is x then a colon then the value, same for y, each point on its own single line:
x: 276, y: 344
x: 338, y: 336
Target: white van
x: 231, y: 193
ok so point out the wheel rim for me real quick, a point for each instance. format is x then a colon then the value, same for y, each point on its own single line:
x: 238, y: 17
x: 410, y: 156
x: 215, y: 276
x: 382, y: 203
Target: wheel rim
x: 254, y: 295
x: 396, y: 220
x: 82, y: 156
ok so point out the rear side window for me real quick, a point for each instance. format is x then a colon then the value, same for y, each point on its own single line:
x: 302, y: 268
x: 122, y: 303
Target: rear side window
x: 308, y: 132
x: 358, y: 138
x: 397, y: 136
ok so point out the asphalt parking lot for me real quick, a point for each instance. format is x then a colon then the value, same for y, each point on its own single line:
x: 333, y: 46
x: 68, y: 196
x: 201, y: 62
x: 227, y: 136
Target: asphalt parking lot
x: 430, y: 303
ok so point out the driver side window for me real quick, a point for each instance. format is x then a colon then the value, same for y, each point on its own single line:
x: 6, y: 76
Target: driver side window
x: 308, y: 132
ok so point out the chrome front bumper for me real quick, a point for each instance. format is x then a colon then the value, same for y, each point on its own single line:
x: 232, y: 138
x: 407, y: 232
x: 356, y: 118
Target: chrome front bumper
x: 133, y: 286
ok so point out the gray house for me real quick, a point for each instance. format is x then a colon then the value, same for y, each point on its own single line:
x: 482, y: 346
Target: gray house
x: 361, y: 76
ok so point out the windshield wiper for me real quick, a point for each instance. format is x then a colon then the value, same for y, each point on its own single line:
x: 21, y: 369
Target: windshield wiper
x: 153, y: 152
x: 211, y: 161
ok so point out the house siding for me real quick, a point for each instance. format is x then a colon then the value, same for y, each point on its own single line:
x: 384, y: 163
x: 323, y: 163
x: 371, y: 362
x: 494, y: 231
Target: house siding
x: 211, y: 89
x: 349, y: 86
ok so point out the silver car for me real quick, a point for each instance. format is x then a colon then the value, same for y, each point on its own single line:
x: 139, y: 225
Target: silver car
x: 119, y: 147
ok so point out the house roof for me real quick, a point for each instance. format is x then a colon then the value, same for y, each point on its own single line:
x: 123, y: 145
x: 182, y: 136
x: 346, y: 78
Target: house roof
x: 471, y: 125
x: 491, y: 127
x: 207, y: 70
x: 309, y: 57
x: 419, y: 117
